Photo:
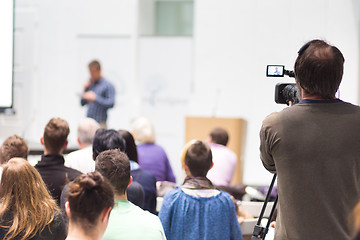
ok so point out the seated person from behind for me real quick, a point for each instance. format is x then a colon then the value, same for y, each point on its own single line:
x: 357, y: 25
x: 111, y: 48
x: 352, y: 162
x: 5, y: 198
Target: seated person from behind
x: 223, y: 158
x: 106, y: 139
x: 111, y: 139
x: 197, y: 210
x: 127, y: 221
x: 152, y: 157
x: 13, y: 146
x: 51, y: 166
x: 82, y: 159
x: 27, y: 211
x: 144, y: 177
x: 91, y: 199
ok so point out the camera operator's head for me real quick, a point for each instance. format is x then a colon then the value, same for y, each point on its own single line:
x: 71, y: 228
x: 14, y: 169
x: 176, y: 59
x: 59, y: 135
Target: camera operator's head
x: 319, y: 69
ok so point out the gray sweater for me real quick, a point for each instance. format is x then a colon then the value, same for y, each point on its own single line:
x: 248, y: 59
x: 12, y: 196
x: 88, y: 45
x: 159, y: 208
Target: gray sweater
x: 315, y: 150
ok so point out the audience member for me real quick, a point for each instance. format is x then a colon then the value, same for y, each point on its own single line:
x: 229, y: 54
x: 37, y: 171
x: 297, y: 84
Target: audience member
x: 223, y: 158
x: 82, y: 159
x: 313, y: 147
x: 51, y: 166
x: 27, y: 211
x: 111, y: 139
x: 13, y: 146
x: 105, y: 140
x: 145, y: 178
x: 90, y: 201
x: 197, y: 210
x: 99, y: 94
x: 127, y: 221
x: 152, y: 157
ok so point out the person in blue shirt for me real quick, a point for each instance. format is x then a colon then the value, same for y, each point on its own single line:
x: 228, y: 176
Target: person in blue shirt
x: 197, y: 210
x: 99, y: 94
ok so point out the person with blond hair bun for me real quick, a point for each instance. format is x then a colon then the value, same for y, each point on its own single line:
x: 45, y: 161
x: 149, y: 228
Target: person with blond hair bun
x: 27, y: 211
x: 89, y: 204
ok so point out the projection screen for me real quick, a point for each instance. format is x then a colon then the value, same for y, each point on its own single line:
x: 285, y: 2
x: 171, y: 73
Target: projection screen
x: 6, y: 54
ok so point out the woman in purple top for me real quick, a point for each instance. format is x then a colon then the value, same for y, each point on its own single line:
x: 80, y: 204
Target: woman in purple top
x: 152, y: 157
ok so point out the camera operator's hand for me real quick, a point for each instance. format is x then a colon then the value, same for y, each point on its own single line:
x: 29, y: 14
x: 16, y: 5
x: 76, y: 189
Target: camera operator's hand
x: 290, y: 103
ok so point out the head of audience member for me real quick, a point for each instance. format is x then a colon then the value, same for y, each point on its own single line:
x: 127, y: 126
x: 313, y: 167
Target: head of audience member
x: 106, y: 139
x: 13, y: 146
x: 130, y: 149
x: 198, y: 159
x: 115, y: 166
x: 95, y: 70
x: 55, y: 136
x: 319, y: 69
x: 90, y: 201
x: 143, y: 130
x: 86, y: 132
x: 25, y: 200
x: 219, y: 136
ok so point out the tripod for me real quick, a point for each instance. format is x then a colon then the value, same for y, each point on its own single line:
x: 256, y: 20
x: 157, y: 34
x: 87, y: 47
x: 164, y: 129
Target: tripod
x: 259, y: 231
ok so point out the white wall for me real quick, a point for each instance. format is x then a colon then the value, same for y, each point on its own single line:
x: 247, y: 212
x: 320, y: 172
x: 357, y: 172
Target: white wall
x: 165, y: 79
x: 54, y: 41
x: 220, y: 72
x: 235, y: 40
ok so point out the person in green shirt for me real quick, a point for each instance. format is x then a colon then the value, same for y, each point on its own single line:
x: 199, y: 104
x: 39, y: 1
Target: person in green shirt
x: 127, y: 221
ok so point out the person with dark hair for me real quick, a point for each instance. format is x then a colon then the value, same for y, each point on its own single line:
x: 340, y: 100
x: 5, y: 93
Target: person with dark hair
x: 89, y: 204
x: 99, y: 94
x: 313, y: 147
x: 197, y: 210
x: 27, y: 211
x: 51, y: 166
x: 106, y: 139
x: 152, y: 157
x: 13, y: 146
x: 111, y: 139
x: 224, y: 159
x: 127, y: 221
x: 146, y: 179
x: 219, y: 136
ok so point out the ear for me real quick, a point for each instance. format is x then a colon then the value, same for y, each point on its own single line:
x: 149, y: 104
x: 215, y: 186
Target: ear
x: 42, y: 141
x: 66, y: 144
x: 211, y: 165
x: 210, y: 139
x: 187, y: 170
x: 79, y: 142
x: 106, y: 214
x: 67, y: 208
x: 131, y: 180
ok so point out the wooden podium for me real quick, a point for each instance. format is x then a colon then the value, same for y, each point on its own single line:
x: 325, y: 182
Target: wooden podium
x: 200, y: 128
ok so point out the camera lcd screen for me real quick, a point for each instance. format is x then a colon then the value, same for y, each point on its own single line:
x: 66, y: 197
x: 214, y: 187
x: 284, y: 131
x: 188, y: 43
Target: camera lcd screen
x: 275, y: 71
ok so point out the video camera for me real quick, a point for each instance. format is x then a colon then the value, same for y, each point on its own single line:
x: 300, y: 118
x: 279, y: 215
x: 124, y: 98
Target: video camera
x: 284, y: 92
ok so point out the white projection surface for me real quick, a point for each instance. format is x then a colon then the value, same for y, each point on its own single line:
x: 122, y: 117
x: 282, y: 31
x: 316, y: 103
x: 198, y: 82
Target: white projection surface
x: 6, y: 53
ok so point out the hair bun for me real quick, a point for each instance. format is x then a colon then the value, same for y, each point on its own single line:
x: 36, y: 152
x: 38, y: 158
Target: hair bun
x: 91, y: 180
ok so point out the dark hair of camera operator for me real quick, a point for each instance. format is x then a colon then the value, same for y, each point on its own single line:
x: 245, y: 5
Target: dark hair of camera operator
x: 319, y: 69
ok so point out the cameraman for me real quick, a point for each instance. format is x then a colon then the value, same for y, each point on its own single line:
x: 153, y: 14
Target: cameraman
x: 314, y: 147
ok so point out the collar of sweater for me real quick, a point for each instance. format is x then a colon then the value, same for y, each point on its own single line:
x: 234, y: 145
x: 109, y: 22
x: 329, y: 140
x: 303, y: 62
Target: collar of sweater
x: 51, y: 159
